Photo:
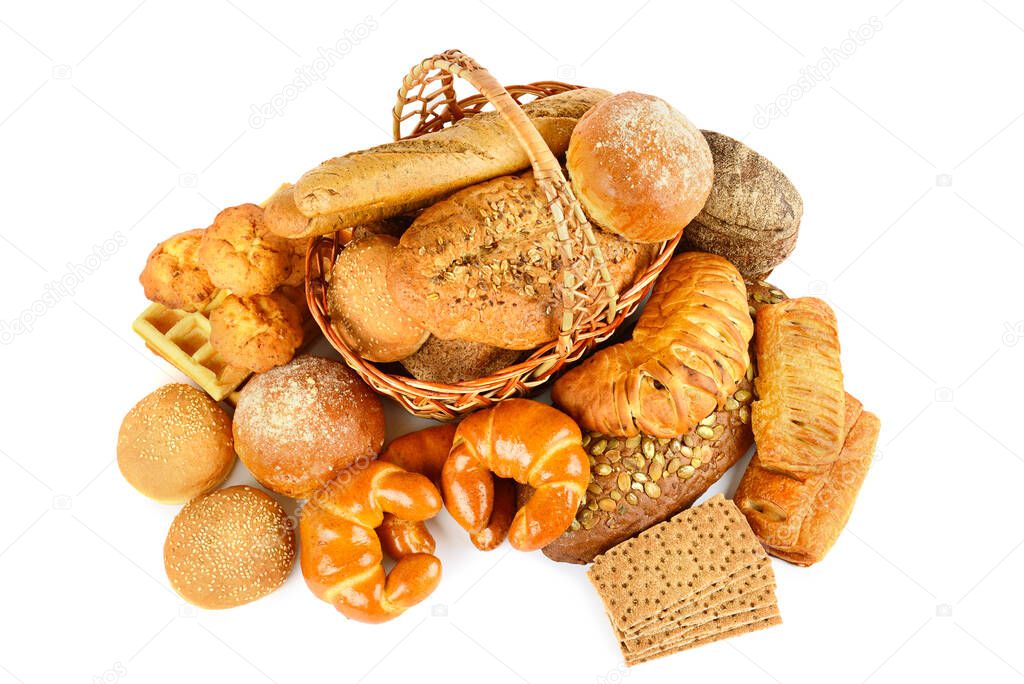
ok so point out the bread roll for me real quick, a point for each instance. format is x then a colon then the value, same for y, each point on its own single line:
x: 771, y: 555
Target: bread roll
x: 479, y: 266
x: 173, y: 276
x: 362, y: 309
x: 398, y: 177
x: 241, y: 255
x: 451, y: 361
x: 298, y: 425
x: 229, y: 547
x: 175, y: 444
x: 752, y: 216
x: 258, y: 332
x: 639, y: 167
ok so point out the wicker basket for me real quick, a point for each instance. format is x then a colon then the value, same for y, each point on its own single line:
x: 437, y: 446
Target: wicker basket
x: 595, y: 310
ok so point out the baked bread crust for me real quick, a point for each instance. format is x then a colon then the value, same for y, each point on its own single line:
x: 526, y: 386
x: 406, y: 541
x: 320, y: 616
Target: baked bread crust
x: 173, y: 276
x: 401, y: 176
x: 362, y: 309
x: 257, y: 332
x: 478, y: 266
x: 800, y: 520
x: 297, y: 426
x: 752, y: 216
x: 799, y: 417
x: 242, y: 256
x: 639, y: 168
x: 451, y: 361
x: 688, y: 352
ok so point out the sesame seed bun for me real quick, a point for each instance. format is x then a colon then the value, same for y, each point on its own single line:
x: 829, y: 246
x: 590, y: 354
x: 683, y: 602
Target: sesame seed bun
x: 175, y: 444
x: 639, y: 168
x: 362, y: 309
x: 229, y: 547
x: 298, y: 425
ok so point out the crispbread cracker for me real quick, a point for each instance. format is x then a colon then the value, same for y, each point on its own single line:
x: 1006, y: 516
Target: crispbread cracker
x: 732, y: 597
x: 672, y: 562
x: 714, y: 594
x: 682, y: 646
x: 755, y: 605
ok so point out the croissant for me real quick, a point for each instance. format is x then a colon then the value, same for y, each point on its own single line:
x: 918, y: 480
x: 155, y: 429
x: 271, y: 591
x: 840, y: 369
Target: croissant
x: 531, y: 443
x: 688, y: 353
x: 341, y: 554
x: 799, y: 419
x: 425, y: 452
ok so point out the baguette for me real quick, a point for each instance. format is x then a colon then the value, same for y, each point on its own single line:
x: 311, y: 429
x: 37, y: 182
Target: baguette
x: 398, y: 177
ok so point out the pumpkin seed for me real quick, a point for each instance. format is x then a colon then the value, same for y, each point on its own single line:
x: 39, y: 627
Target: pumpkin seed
x: 632, y: 498
x: 673, y: 465
x: 603, y: 469
x: 705, y: 432
x: 652, y: 490
x: 606, y: 505
x: 623, y: 481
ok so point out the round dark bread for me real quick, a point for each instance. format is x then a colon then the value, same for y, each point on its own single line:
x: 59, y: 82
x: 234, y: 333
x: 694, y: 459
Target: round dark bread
x: 752, y: 216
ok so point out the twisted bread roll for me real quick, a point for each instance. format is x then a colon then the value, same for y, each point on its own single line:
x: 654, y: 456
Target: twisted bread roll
x: 687, y: 355
x: 425, y: 452
x: 531, y: 443
x: 341, y: 555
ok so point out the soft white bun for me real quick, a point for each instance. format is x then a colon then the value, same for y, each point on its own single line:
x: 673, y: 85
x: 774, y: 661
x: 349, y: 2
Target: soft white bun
x: 639, y: 167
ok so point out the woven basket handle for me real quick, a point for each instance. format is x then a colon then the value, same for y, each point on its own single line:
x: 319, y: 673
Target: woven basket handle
x: 585, y: 286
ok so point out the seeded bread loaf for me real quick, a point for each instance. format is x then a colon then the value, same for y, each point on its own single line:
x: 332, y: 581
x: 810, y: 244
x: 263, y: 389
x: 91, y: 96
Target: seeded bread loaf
x: 479, y: 266
x: 409, y: 174
x: 640, y: 481
x: 451, y: 361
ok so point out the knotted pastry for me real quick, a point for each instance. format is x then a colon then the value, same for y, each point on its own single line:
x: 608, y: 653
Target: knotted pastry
x: 425, y: 452
x: 531, y: 443
x: 798, y: 420
x: 687, y: 355
x: 341, y: 554
x: 799, y: 520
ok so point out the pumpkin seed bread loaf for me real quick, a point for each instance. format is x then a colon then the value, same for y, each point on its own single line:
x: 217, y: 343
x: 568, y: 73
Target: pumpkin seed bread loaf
x: 479, y: 265
x: 639, y: 481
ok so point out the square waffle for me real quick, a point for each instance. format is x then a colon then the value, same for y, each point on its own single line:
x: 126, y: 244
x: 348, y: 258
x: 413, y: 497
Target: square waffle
x: 183, y: 339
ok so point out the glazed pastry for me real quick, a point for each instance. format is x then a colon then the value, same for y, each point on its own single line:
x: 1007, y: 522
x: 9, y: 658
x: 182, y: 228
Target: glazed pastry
x: 687, y: 356
x: 341, y: 554
x: 798, y: 420
x: 799, y: 520
x: 526, y: 441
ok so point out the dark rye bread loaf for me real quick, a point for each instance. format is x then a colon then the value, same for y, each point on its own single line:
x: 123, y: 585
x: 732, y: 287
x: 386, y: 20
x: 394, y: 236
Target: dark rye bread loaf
x: 641, y: 481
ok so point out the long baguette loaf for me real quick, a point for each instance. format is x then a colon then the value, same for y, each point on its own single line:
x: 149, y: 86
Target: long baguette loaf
x: 398, y: 177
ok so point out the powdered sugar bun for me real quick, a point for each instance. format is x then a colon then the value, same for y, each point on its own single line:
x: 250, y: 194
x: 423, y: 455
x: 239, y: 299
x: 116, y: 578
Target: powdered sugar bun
x: 298, y: 425
x: 639, y: 167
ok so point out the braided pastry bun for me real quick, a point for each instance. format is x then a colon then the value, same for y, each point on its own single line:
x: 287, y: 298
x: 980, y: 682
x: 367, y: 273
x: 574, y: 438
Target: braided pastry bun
x: 341, y: 553
x: 686, y: 357
x: 531, y: 443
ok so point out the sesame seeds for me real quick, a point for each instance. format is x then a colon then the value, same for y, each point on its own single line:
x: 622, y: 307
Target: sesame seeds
x: 229, y: 547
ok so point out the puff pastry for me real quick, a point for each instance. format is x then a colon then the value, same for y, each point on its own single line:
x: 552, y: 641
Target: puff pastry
x: 800, y: 520
x: 798, y: 420
x: 686, y: 357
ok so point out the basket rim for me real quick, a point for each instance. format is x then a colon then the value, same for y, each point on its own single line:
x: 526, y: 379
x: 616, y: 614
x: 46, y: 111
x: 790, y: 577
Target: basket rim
x: 445, y: 401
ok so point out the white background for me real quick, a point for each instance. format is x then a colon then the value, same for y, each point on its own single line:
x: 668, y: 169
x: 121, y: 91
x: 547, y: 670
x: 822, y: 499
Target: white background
x: 126, y: 122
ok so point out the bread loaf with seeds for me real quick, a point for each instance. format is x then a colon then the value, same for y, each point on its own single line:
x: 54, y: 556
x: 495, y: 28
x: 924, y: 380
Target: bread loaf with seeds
x: 479, y: 266
x: 639, y: 481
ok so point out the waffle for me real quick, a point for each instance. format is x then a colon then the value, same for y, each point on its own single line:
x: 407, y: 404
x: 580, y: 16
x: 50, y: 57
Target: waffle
x: 183, y: 339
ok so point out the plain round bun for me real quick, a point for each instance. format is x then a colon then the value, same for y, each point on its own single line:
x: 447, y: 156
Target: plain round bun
x: 229, y: 547
x: 298, y: 425
x: 175, y: 444
x: 362, y: 309
x: 639, y: 168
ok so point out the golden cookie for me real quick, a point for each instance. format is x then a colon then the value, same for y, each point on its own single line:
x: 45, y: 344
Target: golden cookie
x: 173, y: 276
x: 241, y: 255
x: 257, y: 332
